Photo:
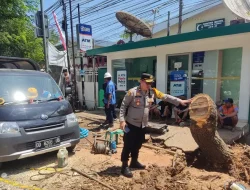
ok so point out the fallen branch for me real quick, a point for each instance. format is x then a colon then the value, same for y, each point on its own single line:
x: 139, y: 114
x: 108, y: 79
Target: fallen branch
x: 181, y: 182
x: 247, y: 175
x: 157, y: 148
x: 85, y: 175
x: 217, y: 177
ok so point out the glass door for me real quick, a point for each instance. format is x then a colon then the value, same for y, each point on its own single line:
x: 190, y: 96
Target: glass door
x: 179, y: 86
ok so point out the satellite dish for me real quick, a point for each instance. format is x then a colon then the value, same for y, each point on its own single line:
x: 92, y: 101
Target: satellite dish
x: 133, y: 24
x: 239, y: 7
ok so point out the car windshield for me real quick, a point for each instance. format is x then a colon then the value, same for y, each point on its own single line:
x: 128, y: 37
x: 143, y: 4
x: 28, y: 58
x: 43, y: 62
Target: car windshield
x: 18, y: 88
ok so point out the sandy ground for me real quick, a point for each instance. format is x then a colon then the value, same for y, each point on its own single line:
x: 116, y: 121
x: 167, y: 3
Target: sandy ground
x: 41, y: 172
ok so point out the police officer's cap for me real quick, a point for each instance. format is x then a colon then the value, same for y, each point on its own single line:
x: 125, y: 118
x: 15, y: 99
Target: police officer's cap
x: 147, y: 77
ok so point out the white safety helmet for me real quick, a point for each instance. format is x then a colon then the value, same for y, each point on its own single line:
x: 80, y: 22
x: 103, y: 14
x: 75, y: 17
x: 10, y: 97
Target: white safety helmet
x: 107, y: 75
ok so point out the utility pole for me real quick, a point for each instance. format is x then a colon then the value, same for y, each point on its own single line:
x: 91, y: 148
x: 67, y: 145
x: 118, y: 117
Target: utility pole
x: 81, y: 57
x: 73, y: 54
x: 94, y: 68
x: 180, y: 15
x: 154, y: 12
x: 44, y: 38
x: 66, y: 33
x: 168, y: 24
x: 79, y: 16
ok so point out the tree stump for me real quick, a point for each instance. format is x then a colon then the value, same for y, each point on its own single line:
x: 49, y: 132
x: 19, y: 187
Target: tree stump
x: 204, y: 119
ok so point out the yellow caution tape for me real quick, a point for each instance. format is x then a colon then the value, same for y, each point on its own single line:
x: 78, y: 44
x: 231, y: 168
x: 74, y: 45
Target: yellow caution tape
x: 215, y: 78
x: 134, y: 78
x: 199, y: 78
x: 19, y: 185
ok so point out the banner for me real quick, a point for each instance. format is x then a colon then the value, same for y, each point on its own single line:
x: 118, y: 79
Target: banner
x: 56, y: 57
x: 62, y: 37
x: 122, y: 80
x: 85, y: 41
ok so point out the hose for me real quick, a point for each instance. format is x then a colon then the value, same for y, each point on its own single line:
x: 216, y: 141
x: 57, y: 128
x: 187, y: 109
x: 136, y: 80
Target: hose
x: 45, y: 173
x: 83, y: 133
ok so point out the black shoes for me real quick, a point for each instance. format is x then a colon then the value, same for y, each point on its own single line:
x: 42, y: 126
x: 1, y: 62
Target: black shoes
x: 136, y: 165
x: 126, y: 171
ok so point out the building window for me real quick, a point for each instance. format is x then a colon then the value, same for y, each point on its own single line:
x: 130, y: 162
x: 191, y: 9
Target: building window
x: 231, y: 70
x: 134, y: 67
x: 220, y: 77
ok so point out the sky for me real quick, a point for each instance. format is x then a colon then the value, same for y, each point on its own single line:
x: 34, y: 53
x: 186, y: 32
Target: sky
x: 100, y: 14
x: 48, y: 3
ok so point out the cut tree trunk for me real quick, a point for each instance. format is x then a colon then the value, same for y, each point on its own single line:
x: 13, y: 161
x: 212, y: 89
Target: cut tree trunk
x: 204, y: 118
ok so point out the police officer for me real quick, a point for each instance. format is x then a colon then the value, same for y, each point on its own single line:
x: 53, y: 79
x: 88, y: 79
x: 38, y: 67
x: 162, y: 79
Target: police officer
x: 136, y: 104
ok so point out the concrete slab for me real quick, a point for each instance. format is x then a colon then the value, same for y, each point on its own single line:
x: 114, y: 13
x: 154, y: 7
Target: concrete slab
x: 181, y: 137
x: 230, y: 137
x: 241, y: 125
x: 178, y: 137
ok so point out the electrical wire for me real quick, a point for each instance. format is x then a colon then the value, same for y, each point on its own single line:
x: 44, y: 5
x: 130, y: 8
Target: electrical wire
x: 115, y: 21
x: 114, y: 35
x: 105, y: 26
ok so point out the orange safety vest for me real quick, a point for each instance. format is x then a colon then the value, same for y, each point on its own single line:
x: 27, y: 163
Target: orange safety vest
x: 227, y: 111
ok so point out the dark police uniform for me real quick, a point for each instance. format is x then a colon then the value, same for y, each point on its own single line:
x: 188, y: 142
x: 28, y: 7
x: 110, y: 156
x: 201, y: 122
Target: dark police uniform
x: 137, y: 103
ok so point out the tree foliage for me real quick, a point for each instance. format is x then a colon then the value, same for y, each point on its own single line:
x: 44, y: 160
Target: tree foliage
x: 54, y: 37
x: 17, y: 32
x: 126, y: 35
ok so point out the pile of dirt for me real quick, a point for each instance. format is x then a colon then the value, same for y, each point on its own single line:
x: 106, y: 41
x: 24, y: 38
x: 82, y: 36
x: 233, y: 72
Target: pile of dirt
x: 179, y: 176
x: 161, y: 178
x: 242, y: 162
x: 156, y: 177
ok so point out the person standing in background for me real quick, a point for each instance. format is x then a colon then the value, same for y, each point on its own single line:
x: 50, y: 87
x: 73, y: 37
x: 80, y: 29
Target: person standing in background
x: 109, y: 98
x: 104, y: 86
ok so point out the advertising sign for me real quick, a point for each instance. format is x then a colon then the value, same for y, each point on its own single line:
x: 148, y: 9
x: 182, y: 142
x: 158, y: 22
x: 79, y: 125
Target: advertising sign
x: 210, y: 24
x: 85, y: 41
x: 178, y: 83
x: 177, y: 88
x: 122, y: 80
x: 198, y: 57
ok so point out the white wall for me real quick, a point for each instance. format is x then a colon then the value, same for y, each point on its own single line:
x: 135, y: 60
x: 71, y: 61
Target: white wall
x: 161, y: 72
x: 89, y: 94
x: 244, y: 83
x: 189, y: 25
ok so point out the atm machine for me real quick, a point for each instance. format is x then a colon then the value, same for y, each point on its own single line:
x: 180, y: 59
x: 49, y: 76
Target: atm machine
x: 178, y: 81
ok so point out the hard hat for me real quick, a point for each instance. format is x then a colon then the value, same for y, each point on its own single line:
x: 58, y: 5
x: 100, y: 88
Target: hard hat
x: 32, y: 93
x: 107, y: 75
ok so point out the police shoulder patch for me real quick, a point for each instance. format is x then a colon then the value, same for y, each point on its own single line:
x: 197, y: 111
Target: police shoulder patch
x: 129, y: 93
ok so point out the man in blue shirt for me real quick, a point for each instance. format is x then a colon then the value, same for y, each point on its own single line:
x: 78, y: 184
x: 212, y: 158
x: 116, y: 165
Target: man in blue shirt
x: 109, y: 98
x: 114, y: 113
